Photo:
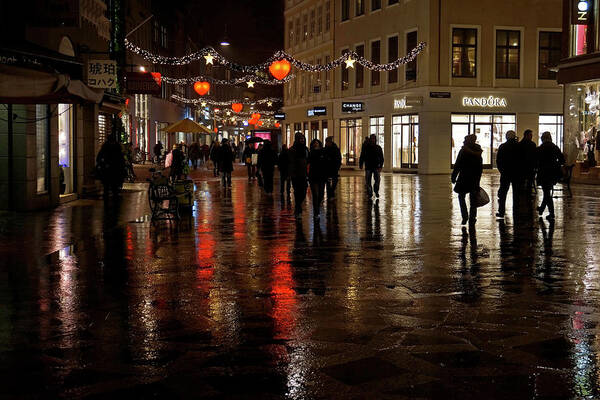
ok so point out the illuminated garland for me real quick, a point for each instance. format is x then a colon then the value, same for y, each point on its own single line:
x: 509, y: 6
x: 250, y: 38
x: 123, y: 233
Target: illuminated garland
x: 211, y: 56
x: 204, y: 102
x: 236, y: 81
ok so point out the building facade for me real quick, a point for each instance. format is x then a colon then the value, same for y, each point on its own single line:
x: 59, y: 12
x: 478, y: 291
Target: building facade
x: 487, y: 68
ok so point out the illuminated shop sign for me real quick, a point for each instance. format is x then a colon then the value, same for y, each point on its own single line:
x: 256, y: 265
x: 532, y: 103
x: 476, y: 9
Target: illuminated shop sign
x: 279, y: 116
x: 353, y: 107
x: 316, y: 111
x: 581, y: 12
x: 485, y: 102
x: 407, y: 102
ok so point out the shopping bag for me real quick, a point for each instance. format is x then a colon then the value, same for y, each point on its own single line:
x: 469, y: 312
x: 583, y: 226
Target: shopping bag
x: 254, y: 159
x: 481, y: 198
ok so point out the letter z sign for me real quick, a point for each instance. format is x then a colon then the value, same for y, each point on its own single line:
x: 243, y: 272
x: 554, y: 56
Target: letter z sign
x: 581, y: 12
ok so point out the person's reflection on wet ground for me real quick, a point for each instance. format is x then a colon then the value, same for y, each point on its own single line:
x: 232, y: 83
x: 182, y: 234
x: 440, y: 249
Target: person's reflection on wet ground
x: 470, y: 281
x: 548, y: 236
x: 333, y: 227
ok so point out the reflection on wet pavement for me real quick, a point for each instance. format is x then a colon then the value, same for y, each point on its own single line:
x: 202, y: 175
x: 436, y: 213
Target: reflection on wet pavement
x: 384, y: 299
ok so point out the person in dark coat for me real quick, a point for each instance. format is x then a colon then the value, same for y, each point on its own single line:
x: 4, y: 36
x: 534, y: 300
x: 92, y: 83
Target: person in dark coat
x: 333, y: 162
x: 194, y: 154
x: 508, y: 162
x: 110, y: 166
x: 317, y: 175
x: 550, y: 161
x: 284, y: 170
x: 267, y: 159
x: 225, y: 161
x: 158, y: 148
x: 177, y: 162
x: 467, y: 175
x: 214, y: 157
x: 527, y: 155
x: 298, y: 160
x: 371, y: 157
x: 247, y: 158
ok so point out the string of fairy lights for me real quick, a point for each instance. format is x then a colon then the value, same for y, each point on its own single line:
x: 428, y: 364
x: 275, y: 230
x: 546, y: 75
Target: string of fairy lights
x: 211, y: 56
x: 268, y: 101
x: 236, y: 81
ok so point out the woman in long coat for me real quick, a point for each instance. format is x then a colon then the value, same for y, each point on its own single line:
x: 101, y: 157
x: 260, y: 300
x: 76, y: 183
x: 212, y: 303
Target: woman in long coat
x: 317, y: 175
x: 467, y: 175
x: 550, y: 160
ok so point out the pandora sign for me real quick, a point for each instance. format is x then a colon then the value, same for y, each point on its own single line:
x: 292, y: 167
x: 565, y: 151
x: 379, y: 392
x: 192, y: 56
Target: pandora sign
x: 485, y: 102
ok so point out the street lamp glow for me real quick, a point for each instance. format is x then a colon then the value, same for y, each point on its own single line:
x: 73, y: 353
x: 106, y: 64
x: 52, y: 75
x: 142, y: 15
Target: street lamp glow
x: 142, y: 68
x: 225, y: 43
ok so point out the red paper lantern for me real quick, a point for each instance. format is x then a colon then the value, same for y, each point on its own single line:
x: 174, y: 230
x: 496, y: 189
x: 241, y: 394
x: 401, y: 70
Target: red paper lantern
x: 277, y: 125
x: 216, y: 130
x: 280, y: 69
x: 259, y: 123
x: 253, y: 121
x: 256, y: 116
x: 237, y: 107
x: 201, y: 88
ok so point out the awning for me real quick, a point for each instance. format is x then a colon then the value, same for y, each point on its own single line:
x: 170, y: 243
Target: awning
x: 187, y: 126
x: 26, y: 86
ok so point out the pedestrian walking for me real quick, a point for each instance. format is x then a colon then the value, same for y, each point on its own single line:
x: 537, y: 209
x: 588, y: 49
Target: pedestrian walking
x: 205, y: 154
x: 371, y: 157
x: 110, y: 166
x: 158, y: 148
x: 267, y: 159
x: 550, y: 161
x: 225, y: 161
x: 247, y: 157
x: 527, y: 161
x: 195, y: 153
x: 298, y: 159
x: 317, y: 175
x: 333, y: 162
x: 466, y: 176
x: 214, y: 157
x: 508, y: 162
x: 177, y: 163
x: 284, y: 170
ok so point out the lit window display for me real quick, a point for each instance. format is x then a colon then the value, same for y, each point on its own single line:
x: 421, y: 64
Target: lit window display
x: 405, y: 141
x: 582, y: 109
x: 65, y: 148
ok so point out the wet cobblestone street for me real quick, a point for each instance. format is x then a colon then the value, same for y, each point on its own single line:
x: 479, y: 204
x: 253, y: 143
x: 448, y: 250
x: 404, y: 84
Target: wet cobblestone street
x: 386, y: 299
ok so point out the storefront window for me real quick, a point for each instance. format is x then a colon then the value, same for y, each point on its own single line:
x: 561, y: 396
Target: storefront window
x: 351, y: 137
x: 288, y: 135
x: 376, y: 127
x: 554, y: 125
x: 41, y: 141
x: 65, y: 147
x: 582, y: 110
x: 405, y: 141
x: 325, y: 130
x: 490, y: 130
x: 579, y: 40
x: 314, y: 130
x: 141, y: 114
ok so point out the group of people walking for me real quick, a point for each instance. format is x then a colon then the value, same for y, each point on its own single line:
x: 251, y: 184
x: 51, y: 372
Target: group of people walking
x: 521, y: 164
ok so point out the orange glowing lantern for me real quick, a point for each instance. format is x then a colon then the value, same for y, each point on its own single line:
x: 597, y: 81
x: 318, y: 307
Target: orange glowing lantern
x: 259, y: 123
x: 277, y: 125
x: 201, y: 88
x: 237, y: 107
x: 280, y: 69
x: 256, y: 116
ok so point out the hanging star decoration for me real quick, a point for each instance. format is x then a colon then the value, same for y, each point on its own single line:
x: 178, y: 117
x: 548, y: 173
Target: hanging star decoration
x: 350, y: 62
x: 203, y: 104
x: 269, y: 104
x: 250, y: 83
x: 209, y: 59
x: 228, y: 113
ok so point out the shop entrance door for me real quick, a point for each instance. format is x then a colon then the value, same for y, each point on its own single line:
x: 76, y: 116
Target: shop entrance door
x: 484, y: 138
x: 351, y: 135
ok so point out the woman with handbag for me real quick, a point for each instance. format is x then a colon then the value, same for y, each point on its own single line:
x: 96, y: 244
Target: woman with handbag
x: 466, y: 177
x: 550, y: 161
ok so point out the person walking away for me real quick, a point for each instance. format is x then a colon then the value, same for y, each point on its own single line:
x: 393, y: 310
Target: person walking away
x: 333, y: 163
x: 371, y: 157
x: 284, y: 170
x: 225, y: 160
x: 467, y: 175
x: 110, y: 166
x: 247, y: 157
x: 507, y: 161
x: 267, y: 158
x: 317, y: 175
x: 194, y: 154
x: 214, y: 157
x: 177, y: 160
x: 550, y: 161
x: 528, y: 152
x: 205, y: 154
x: 158, y: 148
x: 298, y: 159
